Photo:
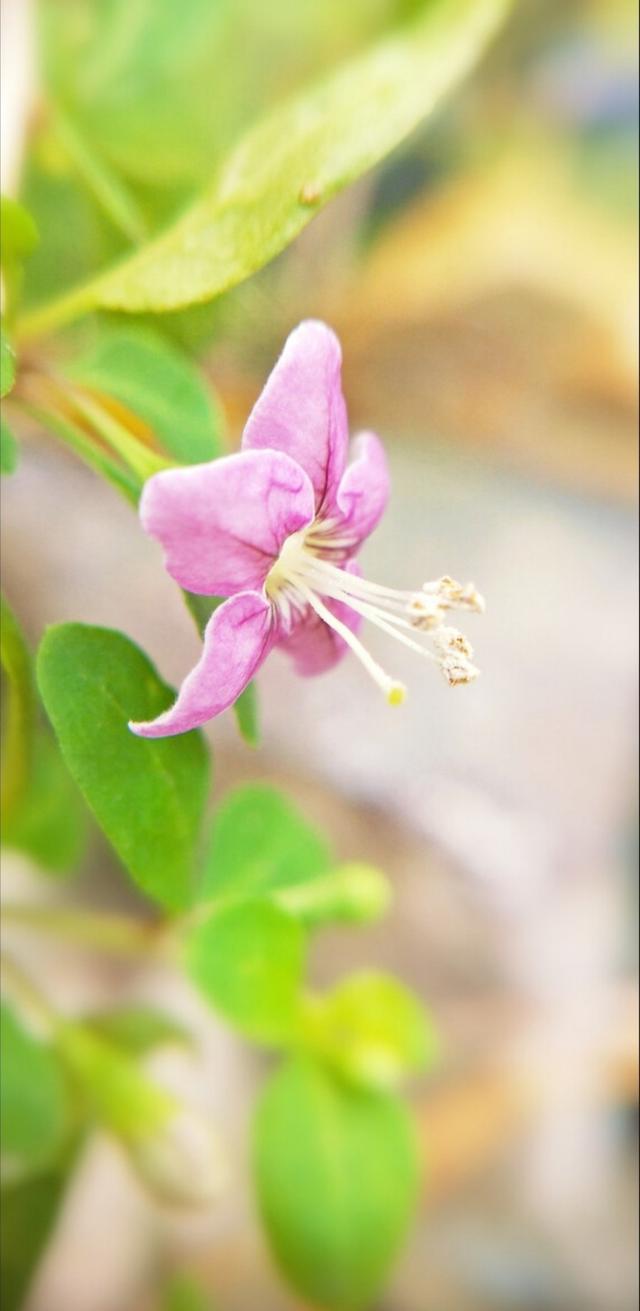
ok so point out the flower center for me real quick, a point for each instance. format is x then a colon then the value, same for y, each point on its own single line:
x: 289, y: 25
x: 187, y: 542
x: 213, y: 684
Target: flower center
x: 306, y: 575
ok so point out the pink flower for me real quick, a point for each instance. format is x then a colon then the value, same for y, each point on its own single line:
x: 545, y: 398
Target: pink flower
x: 276, y: 529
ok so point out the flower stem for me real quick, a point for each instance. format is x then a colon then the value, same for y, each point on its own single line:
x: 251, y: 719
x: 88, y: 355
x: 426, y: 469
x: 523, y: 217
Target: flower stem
x: 140, y: 459
x: 76, y: 439
x: 17, y: 983
x: 107, y: 932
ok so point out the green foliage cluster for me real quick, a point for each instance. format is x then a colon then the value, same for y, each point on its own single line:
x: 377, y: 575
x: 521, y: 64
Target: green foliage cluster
x: 142, y: 199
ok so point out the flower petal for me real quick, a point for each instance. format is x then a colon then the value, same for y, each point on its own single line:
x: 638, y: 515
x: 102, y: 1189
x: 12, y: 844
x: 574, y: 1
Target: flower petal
x: 237, y: 639
x: 222, y: 524
x: 313, y: 646
x: 363, y: 491
x: 301, y: 409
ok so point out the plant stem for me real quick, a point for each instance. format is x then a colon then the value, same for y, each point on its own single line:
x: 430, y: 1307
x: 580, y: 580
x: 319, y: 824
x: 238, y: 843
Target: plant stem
x: 143, y: 461
x: 18, y: 984
x: 108, y: 932
x: 77, y: 441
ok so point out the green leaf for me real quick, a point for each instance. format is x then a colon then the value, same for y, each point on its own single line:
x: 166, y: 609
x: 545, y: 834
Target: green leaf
x: 138, y: 1029
x: 41, y: 811
x: 8, y: 449
x: 28, y: 1211
x: 349, y: 894
x: 337, y: 1177
x: 18, y: 232
x: 49, y: 824
x: 20, y: 714
x: 33, y: 1099
x: 77, y: 238
x: 248, y: 960
x: 125, y: 66
x: 160, y: 385
x: 260, y: 843
x: 7, y: 364
x: 18, y: 239
x: 114, y: 1090
x: 291, y: 163
x: 148, y: 795
x: 372, y: 1029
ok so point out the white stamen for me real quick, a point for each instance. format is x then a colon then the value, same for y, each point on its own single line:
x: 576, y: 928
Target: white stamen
x: 302, y: 575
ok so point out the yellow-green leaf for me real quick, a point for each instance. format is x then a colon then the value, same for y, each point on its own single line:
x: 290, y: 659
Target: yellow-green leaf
x: 291, y: 163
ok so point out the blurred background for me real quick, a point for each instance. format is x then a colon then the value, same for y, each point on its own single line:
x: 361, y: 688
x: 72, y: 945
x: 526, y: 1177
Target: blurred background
x: 483, y: 283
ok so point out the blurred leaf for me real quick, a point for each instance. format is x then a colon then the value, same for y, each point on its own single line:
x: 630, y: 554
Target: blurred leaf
x: 337, y: 1178
x: 138, y: 1029
x: 76, y: 238
x: 28, y: 1211
x: 33, y: 1099
x: 9, y: 450
x: 260, y: 843
x: 20, y: 714
x: 160, y: 385
x: 292, y: 163
x: 248, y: 960
x: 349, y: 894
x: 372, y: 1029
x: 18, y: 239
x: 7, y: 364
x: 184, y: 1294
x: 148, y: 795
x: 50, y: 821
x: 18, y: 232
x: 115, y: 1091
x: 41, y: 811
x: 123, y: 66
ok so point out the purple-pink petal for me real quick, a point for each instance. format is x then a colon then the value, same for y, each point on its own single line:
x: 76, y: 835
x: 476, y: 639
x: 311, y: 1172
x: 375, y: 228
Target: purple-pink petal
x: 363, y: 491
x: 237, y: 639
x: 222, y: 524
x: 301, y: 409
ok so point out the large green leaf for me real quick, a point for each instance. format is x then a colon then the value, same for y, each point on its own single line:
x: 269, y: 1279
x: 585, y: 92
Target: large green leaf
x: 139, y: 75
x: 147, y: 795
x: 33, y: 1099
x: 337, y: 1178
x: 260, y: 843
x: 292, y: 163
x: 160, y: 385
x: 28, y: 1210
x: 76, y: 238
x: 248, y: 960
x: 372, y: 1029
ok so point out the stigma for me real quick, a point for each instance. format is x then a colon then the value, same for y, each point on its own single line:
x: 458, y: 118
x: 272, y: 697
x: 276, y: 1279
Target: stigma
x: 309, y: 572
